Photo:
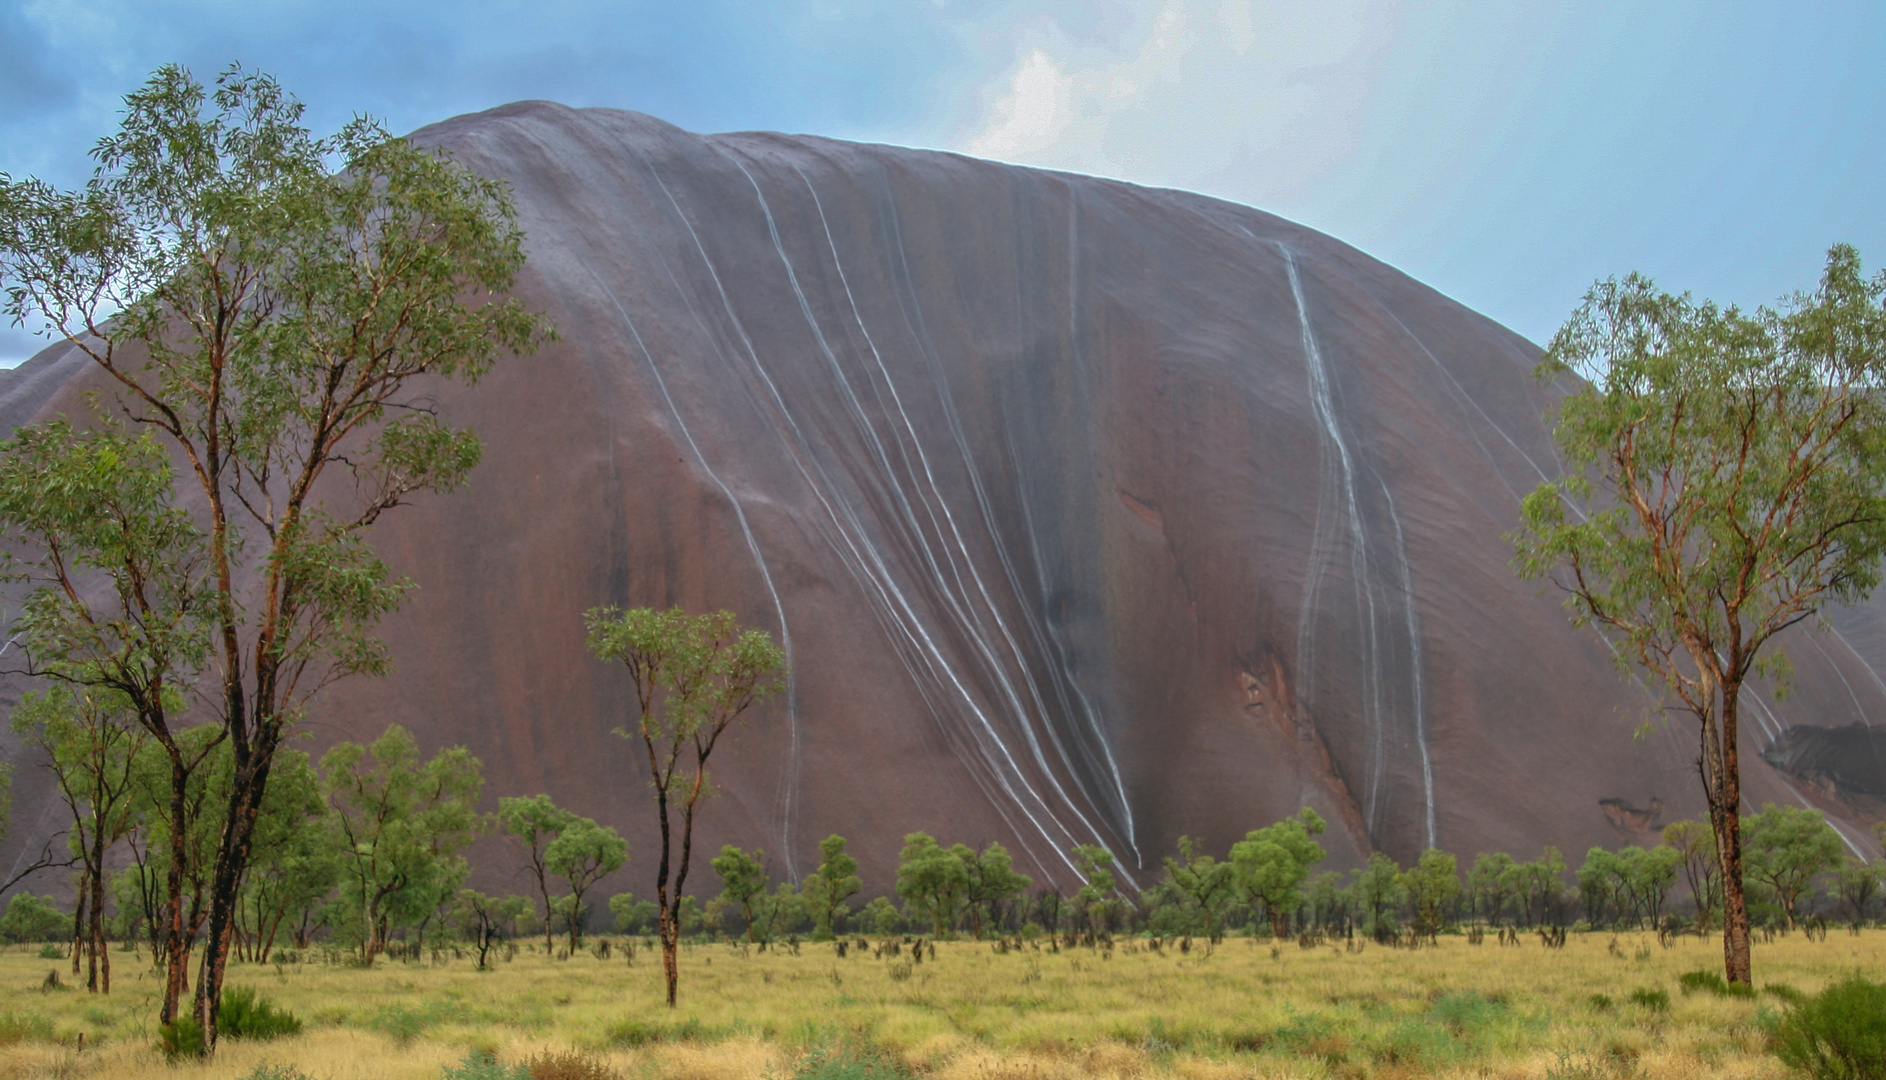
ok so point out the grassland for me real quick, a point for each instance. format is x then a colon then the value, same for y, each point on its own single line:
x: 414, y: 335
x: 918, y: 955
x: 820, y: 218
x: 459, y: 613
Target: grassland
x: 1595, y: 1008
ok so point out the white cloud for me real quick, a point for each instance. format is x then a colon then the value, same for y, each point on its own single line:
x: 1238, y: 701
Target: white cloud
x: 1251, y: 100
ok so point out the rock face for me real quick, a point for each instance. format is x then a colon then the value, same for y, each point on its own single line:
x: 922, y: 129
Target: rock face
x: 1087, y: 513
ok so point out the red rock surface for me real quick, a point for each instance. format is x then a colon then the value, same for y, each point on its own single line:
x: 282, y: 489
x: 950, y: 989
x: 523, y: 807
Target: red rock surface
x: 1087, y: 513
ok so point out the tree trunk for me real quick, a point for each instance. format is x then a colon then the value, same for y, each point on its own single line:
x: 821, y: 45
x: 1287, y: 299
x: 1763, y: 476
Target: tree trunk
x: 101, y: 954
x: 232, y: 858
x: 176, y: 947
x: 79, y: 923
x: 1725, y: 818
x: 670, y: 945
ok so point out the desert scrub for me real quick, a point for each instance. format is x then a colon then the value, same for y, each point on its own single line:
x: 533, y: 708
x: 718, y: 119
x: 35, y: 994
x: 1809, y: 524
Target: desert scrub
x: 1839, y: 1034
x: 1452, y: 1011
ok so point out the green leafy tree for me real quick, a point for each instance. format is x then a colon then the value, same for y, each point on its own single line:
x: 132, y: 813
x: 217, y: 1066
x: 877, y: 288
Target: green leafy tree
x: 1379, y: 892
x: 932, y: 881
x: 1490, y: 885
x: 1271, y: 864
x: 294, y: 863
x: 743, y: 884
x: 992, y: 881
x: 583, y: 854
x: 632, y: 916
x: 486, y: 920
x: 1648, y: 876
x: 1540, y: 884
x: 694, y: 675
x: 1726, y: 479
x: 402, y: 825
x: 1095, y: 899
x: 181, y: 828
x: 834, y: 882
x: 1206, y: 884
x: 1432, y: 884
x: 533, y: 823
x: 266, y: 314
x: 1786, y: 848
x: 1695, y: 845
x: 881, y: 916
x: 91, y: 746
x: 1858, y: 882
x: 1601, y: 886
x: 34, y: 918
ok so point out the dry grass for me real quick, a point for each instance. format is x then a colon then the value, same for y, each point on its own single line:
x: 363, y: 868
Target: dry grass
x: 1242, y: 1010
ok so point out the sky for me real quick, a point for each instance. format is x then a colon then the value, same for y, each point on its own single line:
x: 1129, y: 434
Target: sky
x: 1506, y: 153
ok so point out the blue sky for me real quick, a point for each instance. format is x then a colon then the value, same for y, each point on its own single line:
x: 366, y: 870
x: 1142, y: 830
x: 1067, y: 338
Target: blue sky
x: 1506, y: 153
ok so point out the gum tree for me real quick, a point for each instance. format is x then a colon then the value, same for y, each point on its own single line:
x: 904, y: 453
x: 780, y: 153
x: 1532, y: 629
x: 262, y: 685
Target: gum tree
x: 1726, y: 479
x: 275, y: 310
x: 693, y: 675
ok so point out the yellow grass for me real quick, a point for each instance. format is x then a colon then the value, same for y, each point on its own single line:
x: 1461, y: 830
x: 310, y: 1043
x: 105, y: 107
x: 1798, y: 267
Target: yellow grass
x: 1241, y: 1010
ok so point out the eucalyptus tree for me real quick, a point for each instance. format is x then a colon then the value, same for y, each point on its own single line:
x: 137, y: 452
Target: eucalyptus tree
x: 92, y: 753
x: 265, y: 305
x: 534, y: 823
x: 1788, y: 847
x: 402, y: 827
x: 693, y: 676
x: 1270, y: 865
x: 1726, y: 480
x: 1206, y: 884
x: 835, y: 881
x: 583, y: 854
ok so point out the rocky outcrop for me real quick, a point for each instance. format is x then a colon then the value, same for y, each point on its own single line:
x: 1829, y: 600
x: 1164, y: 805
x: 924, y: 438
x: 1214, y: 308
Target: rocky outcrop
x: 1086, y: 513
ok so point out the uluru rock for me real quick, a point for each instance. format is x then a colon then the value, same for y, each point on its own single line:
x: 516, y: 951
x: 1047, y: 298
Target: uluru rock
x: 1086, y: 513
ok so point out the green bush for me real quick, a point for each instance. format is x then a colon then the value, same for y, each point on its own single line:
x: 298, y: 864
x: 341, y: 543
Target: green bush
x: 1712, y: 981
x: 1654, y: 1000
x: 245, y: 1014
x: 1466, y: 1013
x: 1839, y: 1034
x: 34, y: 918
x: 847, y: 1061
x: 181, y: 1040
x: 49, y: 951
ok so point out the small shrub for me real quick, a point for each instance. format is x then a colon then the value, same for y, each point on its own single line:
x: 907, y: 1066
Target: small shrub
x: 478, y: 1066
x: 567, y: 1065
x: 1839, y: 1034
x: 847, y: 1061
x: 1466, y: 1013
x: 1601, y: 1002
x: 1713, y: 982
x: 245, y: 1014
x: 1654, y: 1000
x: 51, y: 952
x: 632, y: 1033
x: 1785, y: 992
x: 264, y: 1071
x: 182, y: 1040
x: 24, y: 1027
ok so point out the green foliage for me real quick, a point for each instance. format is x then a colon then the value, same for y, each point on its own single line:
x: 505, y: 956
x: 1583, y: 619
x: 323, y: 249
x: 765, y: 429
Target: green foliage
x: 246, y: 1014
x: 743, y: 880
x: 1095, y: 899
x: 1839, y: 1034
x: 1271, y: 864
x: 1491, y: 885
x: 1784, y: 848
x: 534, y: 823
x: 1379, y: 891
x: 834, y: 882
x: 402, y: 825
x: 1205, y: 884
x: 991, y: 882
x: 182, y: 1040
x: 847, y: 1060
x: 34, y: 918
x: 1725, y: 479
x: 932, y: 881
x: 1651, y: 999
x: 1432, y: 885
x: 632, y: 916
x: 881, y: 917
x: 582, y: 854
